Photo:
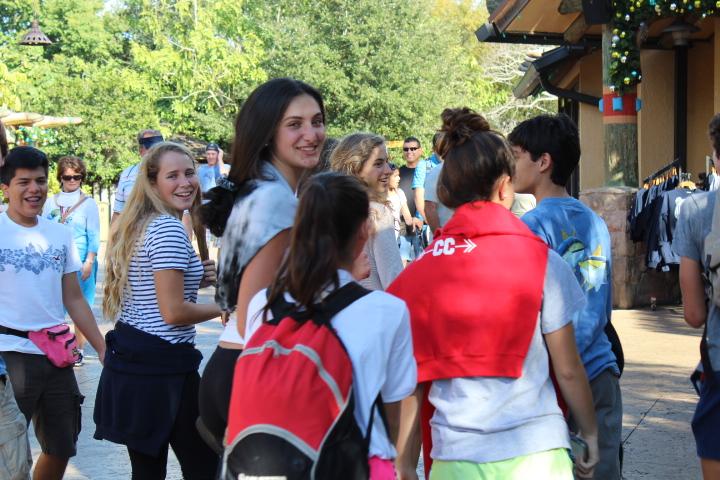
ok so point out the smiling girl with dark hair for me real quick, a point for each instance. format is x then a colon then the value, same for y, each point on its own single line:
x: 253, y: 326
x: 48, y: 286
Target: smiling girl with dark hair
x: 279, y: 135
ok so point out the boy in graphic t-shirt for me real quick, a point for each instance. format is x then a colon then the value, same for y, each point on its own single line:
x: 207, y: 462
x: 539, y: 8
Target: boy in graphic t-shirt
x: 38, y: 274
x: 547, y: 150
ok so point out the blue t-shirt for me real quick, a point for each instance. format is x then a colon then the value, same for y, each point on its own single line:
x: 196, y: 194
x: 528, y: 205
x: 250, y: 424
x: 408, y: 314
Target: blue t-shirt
x: 581, y: 237
x: 208, y: 176
x: 422, y: 168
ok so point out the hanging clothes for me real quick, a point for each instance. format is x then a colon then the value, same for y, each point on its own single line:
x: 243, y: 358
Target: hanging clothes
x: 653, y: 216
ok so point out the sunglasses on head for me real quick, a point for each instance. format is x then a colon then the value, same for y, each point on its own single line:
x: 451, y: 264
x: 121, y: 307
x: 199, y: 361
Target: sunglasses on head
x: 410, y: 149
x: 67, y: 178
x: 148, y: 142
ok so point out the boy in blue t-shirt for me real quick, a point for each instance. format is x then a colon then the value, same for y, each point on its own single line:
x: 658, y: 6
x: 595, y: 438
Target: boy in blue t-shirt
x: 547, y: 150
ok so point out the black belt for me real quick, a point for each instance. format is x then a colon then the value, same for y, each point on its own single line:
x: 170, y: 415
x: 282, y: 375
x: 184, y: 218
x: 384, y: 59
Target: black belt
x: 12, y: 331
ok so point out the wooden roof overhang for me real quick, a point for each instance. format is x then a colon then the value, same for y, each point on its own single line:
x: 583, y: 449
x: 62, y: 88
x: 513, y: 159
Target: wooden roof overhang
x: 559, y: 22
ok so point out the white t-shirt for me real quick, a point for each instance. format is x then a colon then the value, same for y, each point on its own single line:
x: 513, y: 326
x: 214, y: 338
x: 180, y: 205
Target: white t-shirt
x: 165, y: 246
x: 376, y: 333
x: 33, y: 261
x: 431, y: 181
x: 489, y: 419
x: 125, y: 185
x: 523, y: 203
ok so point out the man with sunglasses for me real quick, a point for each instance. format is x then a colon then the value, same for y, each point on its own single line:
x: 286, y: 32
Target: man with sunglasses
x: 412, y: 153
x: 146, y: 139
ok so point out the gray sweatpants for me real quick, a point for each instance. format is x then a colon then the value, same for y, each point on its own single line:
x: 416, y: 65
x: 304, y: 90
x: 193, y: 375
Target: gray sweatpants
x: 608, y: 412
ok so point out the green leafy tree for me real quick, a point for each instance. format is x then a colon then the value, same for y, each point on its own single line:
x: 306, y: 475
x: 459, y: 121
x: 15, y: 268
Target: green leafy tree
x: 201, y: 61
x: 388, y: 66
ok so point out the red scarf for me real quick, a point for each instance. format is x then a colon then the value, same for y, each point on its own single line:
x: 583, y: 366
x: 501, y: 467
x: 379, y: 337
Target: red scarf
x: 474, y: 298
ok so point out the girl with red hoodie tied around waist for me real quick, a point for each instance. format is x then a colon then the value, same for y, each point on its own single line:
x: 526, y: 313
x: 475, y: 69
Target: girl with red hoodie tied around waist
x: 501, y: 302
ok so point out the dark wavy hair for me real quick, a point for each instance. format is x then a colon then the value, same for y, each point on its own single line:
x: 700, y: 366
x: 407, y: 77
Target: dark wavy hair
x: 255, y: 128
x: 475, y: 157
x: 331, y: 210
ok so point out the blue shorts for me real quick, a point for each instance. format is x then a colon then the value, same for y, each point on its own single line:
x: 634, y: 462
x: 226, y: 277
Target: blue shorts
x: 706, y: 421
x: 407, y: 252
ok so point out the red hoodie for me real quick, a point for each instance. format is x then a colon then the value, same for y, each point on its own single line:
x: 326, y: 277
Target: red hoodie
x: 474, y: 297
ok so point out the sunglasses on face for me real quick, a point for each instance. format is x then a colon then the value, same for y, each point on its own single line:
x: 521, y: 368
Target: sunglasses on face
x: 67, y: 178
x: 410, y: 149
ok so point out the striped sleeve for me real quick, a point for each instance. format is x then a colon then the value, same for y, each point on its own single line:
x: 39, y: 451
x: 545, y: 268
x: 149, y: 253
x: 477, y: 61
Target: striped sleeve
x: 167, y: 244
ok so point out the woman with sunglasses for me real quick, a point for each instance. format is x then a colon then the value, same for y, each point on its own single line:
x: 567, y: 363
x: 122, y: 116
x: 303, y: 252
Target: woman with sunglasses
x: 72, y: 207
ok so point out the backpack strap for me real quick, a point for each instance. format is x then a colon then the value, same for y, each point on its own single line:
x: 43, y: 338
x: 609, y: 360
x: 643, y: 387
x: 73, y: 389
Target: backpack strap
x: 325, y: 310
x: 338, y: 301
x: 380, y: 407
x: 704, y: 356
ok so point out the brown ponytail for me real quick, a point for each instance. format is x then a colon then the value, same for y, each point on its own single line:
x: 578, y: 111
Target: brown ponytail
x: 475, y: 157
x: 332, y: 208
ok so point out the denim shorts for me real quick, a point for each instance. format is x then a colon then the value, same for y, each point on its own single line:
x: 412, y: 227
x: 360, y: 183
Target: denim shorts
x: 50, y: 397
x: 706, y: 421
x: 407, y: 252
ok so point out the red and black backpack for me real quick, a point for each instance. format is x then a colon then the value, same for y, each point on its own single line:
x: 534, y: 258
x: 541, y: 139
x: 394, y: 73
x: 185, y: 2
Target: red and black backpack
x: 291, y: 408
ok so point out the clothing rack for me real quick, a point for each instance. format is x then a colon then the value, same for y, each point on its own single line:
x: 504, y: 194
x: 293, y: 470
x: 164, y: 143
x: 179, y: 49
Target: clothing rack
x: 674, y: 164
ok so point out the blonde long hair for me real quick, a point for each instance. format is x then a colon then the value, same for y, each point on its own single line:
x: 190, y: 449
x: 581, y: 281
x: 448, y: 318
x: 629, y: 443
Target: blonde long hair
x: 143, y: 205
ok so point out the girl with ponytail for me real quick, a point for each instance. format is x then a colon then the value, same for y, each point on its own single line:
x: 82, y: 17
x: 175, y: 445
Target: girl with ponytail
x: 329, y: 232
x: 279, y: 135
x: 501, y: 304
x: 364, y: 156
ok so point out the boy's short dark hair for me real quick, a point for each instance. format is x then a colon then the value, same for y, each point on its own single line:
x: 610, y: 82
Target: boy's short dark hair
x: 412, y: 139
x: 22, y: 157
x: 556, y: 135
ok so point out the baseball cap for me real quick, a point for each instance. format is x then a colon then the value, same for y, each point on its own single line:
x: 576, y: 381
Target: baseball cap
x: 212, y: 146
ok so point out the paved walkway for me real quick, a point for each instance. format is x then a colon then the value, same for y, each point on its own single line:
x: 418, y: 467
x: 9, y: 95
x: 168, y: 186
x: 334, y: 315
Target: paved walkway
x: 660, y: 351
x: 660, y: 354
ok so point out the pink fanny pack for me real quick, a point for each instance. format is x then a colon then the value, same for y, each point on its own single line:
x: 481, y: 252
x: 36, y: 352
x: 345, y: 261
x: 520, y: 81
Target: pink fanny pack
x: 57, y: 343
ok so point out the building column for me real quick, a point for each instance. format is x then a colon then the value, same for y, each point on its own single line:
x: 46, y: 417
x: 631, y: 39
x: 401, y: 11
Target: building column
x: 620, y: 127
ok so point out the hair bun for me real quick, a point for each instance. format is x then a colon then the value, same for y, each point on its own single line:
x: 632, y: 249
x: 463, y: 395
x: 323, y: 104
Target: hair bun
x: 459, y: 125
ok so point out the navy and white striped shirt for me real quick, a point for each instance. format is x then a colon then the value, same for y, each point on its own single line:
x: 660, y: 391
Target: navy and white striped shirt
x: 165, y: 246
